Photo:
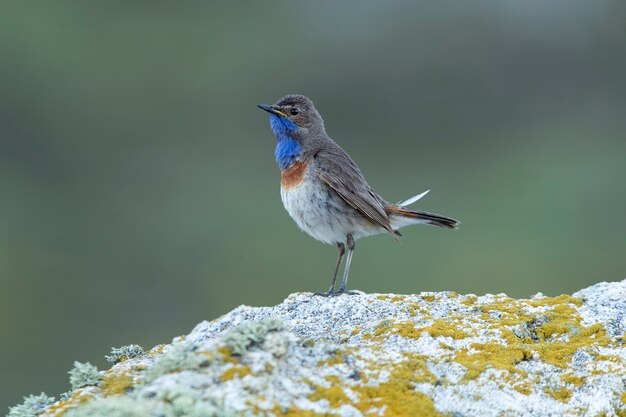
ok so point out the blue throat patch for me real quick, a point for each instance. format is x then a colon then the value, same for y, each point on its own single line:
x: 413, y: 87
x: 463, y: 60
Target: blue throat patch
x: 287, y: 149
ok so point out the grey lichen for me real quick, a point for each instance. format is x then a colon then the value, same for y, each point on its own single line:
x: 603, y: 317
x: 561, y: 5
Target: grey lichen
x: 432, y: 355
x: 242, y: 337
x: 113, y: 407
x: 179, y: 358
x: 66, y: 395
x: 188, y: 402
x: 83, y: 374
x: 125, y: 352
x: 32, y: 406
x: 185, y: 403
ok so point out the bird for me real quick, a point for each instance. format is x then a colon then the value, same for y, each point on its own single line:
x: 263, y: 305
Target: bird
x: 324, y: 191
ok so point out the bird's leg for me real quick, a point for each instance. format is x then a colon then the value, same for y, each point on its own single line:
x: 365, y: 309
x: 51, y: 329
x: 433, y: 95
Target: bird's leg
x: 342, y: 250
x: 331, y: 288
x: 344, y: 281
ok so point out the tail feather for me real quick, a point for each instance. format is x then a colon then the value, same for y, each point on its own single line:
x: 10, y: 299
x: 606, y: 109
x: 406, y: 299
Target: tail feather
x: 421, y: 216
x: 413, y: 199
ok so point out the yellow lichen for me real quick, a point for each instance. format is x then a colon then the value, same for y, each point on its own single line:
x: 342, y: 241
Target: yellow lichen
x: 294, y: 411
x: 570, y: 378
x: 469, y: 300
x: 114, y: 383
x: 226, y: 354
x: 398, y: 394
x: 61, y: 407
x: 553, y: 301
x: 334, y: 394
x: 157, y: 350
x: 525, y: 387
x: 235, y: 372
x: 308, y: 343
x: 559, y: 353
x: 336, y: 359
x: 392, y: 299
x: 399, y: 401
x: 559, y: 394
x: 440, y: 327
x: 484, y: 355
x: 554, y: 336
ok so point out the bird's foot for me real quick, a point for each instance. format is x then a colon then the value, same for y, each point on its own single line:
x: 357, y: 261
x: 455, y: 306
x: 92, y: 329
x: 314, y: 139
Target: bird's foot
x: 327, y: 294
x: 335, y: 293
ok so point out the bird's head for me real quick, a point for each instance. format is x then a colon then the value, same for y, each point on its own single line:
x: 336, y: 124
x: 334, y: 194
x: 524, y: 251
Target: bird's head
x: 293, y: 115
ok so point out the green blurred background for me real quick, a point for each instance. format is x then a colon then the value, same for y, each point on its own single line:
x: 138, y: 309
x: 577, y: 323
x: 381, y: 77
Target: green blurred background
x: 139, y: 194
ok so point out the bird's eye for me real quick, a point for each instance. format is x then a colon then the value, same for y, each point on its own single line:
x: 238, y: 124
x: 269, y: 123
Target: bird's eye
x: 294, y: 111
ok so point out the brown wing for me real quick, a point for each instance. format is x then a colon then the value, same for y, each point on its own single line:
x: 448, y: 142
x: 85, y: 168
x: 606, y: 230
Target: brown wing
x: 335, y: 168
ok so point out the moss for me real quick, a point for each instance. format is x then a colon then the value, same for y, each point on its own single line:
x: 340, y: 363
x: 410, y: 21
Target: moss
x: 83, y: 374
x: 124, y: 353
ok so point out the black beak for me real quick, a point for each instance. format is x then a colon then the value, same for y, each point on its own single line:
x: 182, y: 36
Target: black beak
x: 271, y: 109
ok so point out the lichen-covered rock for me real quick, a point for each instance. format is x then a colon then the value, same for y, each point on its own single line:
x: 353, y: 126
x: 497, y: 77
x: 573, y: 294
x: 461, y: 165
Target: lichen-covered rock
x: 358, y: 355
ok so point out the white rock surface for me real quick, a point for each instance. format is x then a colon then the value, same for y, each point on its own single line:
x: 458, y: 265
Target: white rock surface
x: 382, y: 355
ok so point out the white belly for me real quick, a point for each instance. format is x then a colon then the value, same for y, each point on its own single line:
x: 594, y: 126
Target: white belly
x: 321, y: 213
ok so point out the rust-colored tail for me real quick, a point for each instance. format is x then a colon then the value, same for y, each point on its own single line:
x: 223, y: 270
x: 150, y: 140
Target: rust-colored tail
x: 420, y: 217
